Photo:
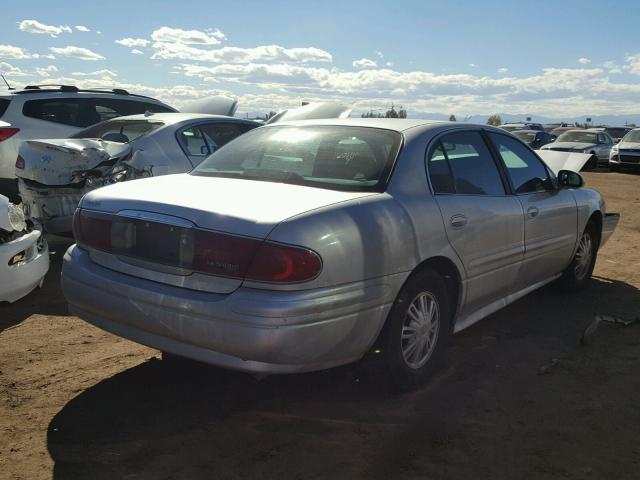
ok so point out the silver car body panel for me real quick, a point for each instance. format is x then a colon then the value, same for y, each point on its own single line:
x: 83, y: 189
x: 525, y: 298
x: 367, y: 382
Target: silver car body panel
x: 370, y: 243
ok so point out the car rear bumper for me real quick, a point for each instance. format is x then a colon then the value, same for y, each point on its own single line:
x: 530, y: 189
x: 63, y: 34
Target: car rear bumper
x: 52, y: 207
x: 250, y: 330
x: 18, y: 280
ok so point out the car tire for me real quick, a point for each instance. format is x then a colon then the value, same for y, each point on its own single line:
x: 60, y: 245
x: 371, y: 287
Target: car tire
x: 577, y: 275
x: 418, y: 329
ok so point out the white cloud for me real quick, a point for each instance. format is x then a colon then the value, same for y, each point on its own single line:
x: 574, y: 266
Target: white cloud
x: 364, y: 63
x: 77, y: 52
x: 11, y: 71
x: 34, y: 26
x: 472, y: 65
x: 16, y: 53
x: 46, y: 71
x: 82, y: 28
x: 584, y: 61
x: 187, y: 37
x: 379, y: 54
x: 133, y: 42
x: 271, y: 53
x: 633, y: 64
x: 503, y: 70
x: 389, y: 64
x: 97, y: 73
x: 135, y: 51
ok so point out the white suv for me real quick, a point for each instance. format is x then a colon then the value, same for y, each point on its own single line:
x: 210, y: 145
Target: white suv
x: 58, y: 111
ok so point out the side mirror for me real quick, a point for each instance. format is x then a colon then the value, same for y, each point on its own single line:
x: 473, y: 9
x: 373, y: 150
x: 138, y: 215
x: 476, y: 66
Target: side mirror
x: 569, y: 179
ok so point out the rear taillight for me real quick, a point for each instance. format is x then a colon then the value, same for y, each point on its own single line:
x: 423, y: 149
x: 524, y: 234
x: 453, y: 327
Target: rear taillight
x: 92, y: 229
x: 282, y: 263
x: 20, y: 162
x: 208, y: 252
x: 7, y: 132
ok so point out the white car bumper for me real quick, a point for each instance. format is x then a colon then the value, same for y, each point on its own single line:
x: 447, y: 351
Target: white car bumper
x: 21, y: 277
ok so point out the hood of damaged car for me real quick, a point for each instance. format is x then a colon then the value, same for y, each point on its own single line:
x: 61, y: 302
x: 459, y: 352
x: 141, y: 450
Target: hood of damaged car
x: 58, y: 162
x: 557, y: 161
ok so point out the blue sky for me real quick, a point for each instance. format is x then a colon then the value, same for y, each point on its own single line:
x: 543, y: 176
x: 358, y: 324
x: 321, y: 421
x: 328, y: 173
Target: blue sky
x: 549, y: 58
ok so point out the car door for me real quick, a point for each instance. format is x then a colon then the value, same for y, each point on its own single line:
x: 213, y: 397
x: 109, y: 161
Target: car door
x: 484, y: 224
x: 550, y: 213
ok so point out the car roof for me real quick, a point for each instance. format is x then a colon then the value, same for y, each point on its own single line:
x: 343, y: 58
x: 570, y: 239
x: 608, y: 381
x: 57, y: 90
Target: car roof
x: 396, y: 124
x: 526, y: 131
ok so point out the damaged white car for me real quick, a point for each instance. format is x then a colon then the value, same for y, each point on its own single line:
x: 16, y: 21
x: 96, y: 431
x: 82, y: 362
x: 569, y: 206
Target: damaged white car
x: 53, y: 175
x: 24, y: 255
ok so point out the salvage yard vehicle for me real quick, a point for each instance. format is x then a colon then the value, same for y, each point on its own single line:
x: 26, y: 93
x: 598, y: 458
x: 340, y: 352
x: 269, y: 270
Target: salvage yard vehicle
x: 627, y: 152
x: 56, y: 111
x: 534, y: 138
x: 301, y: 245
x: 54, y: 174
x: 24, y: 255
x: 596, y: 143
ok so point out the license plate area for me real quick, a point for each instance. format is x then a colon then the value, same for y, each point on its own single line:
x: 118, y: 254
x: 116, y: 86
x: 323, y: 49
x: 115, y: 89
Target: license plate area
x: 155, y: 242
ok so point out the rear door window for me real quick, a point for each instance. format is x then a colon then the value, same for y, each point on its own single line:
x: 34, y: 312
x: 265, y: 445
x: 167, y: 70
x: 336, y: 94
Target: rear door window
x: 220, y: 133
x: 4, y: 104
x: 461, y: 163
x: 526, y: 171
x: 84, y: 112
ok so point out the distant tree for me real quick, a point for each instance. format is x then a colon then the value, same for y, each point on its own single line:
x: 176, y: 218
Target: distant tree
x: 371, y: 114
x: 452, y: 118
x: 494, y: 120
x: 402, y: 113
x: 632, y: 125
x: 391, y: 113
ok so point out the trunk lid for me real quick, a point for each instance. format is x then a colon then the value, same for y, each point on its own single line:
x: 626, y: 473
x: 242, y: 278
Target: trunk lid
x: 55, y: 162
x: 162, y: 213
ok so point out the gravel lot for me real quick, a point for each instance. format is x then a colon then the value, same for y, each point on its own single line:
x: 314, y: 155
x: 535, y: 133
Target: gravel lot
x: 519, y: 398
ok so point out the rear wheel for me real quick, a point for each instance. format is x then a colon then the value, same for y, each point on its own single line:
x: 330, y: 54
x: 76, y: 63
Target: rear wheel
x: 577, y: 274
x: 418, y: 329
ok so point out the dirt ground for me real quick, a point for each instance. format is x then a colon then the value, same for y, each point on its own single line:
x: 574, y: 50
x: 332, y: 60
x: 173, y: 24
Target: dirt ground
x: 519, y: 396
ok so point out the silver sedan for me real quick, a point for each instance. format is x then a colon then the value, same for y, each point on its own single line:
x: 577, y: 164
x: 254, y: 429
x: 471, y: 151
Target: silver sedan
x: 300, y: 246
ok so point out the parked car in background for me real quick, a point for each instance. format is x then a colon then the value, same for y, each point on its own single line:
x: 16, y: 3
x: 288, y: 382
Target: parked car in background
x: 24, y: 255
x: 58, y: 111
x: 301, y: 245
x: 534, y: 138
x: 593, y: 142
x: 54, y: 174
x: 627, y: 152
x: 510, y: 127
x: 616, y: 133
x: 560, y: 130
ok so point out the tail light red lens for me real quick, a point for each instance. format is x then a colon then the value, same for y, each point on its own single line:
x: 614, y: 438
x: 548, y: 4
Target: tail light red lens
x: 208, y: 252
x: 20, y: 162
x: 282, y: 263
x: 92, y: 229
x: 7, y: 132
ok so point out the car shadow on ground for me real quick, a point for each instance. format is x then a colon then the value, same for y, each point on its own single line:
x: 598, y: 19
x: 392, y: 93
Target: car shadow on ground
x: 47, y: 300
x: 181, y: 419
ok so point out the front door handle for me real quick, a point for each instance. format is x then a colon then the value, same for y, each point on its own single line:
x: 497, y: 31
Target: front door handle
x: 532, y: 212
x: 458, y: 221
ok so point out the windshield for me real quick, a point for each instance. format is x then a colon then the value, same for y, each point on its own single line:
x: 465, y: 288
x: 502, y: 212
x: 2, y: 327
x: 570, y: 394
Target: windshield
x: 577, y: 137
x: 632, y: 136
x: 335, y: 157
x: 525, y: 136
x: 121, y: 131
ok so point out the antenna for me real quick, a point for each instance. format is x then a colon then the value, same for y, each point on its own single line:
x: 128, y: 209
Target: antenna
x: 5, y: 81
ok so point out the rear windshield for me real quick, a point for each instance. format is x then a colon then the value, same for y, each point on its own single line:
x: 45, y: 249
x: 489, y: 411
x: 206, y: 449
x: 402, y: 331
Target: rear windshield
x: 334, y: 157
x: 632, y: 136
x: 577, y: 137
x: 525, y: 136
x: 121, y: 131
x: 616, y: 132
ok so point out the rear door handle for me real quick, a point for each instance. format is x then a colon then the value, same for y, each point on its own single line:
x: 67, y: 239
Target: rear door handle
x: 458, y: 221
x: 532, y: 212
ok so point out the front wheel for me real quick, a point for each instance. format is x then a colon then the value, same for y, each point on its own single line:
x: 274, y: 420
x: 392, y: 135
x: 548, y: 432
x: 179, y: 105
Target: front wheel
x: 577, y: 274
x: 418, y: 329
